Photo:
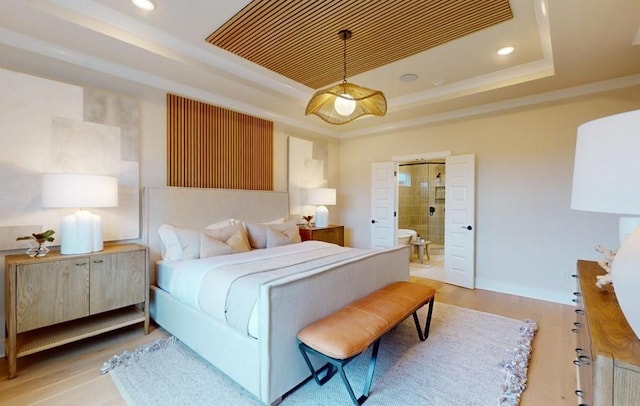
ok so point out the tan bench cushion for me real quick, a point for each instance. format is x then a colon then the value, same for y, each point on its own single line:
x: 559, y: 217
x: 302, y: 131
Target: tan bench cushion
x: 352, y: 329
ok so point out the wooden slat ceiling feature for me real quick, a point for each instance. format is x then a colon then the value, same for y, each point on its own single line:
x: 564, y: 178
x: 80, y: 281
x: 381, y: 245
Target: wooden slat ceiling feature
x: 299, y: 38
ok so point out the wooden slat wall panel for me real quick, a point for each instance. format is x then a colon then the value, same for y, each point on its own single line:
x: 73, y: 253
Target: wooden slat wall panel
x: 212, y: 147
x: 299, y: 38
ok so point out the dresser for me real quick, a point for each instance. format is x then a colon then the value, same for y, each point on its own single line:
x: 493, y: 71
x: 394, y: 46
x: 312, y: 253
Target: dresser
x: 333, y: 234
x: 58, y: 299
x: 607, y: 350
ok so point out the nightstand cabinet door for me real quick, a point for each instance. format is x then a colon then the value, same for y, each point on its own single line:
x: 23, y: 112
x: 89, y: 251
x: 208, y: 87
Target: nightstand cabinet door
x: 117, y: 280
x: 51, y: 292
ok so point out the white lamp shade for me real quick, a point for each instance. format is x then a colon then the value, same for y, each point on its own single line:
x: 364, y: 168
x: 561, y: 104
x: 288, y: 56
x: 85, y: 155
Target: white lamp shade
x: 81, y: 232
x: 606, y: 173
x: 321, y: 196
x: 79, y: 191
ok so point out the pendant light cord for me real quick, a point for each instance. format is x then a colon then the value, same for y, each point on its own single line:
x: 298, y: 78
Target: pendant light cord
x: 344, y: 59
x: 344, y: 35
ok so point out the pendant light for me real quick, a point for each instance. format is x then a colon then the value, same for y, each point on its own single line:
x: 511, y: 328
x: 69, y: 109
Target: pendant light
x: 345, y: 102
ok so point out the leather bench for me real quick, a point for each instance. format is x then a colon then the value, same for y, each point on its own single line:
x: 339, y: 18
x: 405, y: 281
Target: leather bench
x: 341, y: 336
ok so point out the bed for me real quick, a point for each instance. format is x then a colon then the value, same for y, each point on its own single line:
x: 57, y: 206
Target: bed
x: 266, y: 361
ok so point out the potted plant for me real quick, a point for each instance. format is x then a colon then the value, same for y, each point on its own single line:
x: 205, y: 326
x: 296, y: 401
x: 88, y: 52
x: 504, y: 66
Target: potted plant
x: 38, y: 241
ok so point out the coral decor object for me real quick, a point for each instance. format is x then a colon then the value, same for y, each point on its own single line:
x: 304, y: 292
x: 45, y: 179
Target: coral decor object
x: 607, y: 279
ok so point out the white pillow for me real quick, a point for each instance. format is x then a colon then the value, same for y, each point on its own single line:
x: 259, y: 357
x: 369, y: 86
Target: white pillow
x: 171, y: 249
x: 276, y: 221
x: 222, y: 223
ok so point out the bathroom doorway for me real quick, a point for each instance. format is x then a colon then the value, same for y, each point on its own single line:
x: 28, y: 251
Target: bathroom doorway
x: 421, y: 213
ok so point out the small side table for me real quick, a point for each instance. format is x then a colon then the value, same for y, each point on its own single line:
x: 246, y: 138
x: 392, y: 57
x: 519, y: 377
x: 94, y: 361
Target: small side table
x: 422, y: 247
x: 332, y: 233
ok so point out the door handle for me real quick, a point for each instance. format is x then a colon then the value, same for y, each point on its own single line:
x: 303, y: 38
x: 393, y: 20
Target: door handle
x: 373, y: 221
x: 467, y: 228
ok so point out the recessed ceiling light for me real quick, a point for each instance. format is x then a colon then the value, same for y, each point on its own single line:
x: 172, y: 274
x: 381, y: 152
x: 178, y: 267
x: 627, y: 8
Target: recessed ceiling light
x: 408, y: 77
x: 505, y: 50
x: 439, y: 82
x: 144, y: 4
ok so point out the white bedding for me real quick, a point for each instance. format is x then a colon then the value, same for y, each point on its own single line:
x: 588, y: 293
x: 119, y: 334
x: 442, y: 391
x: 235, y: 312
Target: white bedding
x: 226, y: 287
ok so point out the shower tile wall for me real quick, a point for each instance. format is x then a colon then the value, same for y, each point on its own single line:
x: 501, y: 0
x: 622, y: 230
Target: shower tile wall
x: 436, y: 200
x: 420, y: 189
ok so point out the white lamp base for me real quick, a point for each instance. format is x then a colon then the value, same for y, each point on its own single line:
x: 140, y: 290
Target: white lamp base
x: 626, y: 279
x: 322, y: 217
x: 81, y: 233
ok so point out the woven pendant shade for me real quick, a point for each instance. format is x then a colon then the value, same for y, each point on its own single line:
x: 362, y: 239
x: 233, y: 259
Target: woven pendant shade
x: 368, y: 101
x: 343, y: 103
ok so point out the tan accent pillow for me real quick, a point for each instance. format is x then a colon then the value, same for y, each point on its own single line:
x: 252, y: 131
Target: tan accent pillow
x: 225, y: 240
x: 282, y: 234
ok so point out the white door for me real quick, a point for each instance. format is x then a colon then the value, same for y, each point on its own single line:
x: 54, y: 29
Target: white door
x: 459, y: 228
x: 383, y: 204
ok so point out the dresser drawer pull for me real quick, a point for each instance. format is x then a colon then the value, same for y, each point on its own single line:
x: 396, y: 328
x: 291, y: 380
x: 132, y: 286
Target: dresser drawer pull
x: 98, y: 261
x: 81, y: 264
x: 579, y: 311
x: 574, y: 330
x: 579, y: 393
x: 575, y: 276
x: 577, y: 324
x: 579, y: 351
x: 575, y: 300
x: 584, y: 360
x: 577, y: 294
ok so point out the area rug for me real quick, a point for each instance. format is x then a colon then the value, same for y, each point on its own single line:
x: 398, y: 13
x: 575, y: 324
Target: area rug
x: 470, y: 358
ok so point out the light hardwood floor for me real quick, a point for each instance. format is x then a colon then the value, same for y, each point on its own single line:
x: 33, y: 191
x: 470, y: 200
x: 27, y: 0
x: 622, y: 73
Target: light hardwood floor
x: 70, y: 375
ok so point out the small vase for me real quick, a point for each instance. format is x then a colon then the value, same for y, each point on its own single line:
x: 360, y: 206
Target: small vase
x: 37, y: 250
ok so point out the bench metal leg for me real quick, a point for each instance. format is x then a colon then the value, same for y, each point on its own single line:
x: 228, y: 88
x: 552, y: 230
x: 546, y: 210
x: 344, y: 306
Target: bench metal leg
x: 337, y: 365
x: 424, y: 336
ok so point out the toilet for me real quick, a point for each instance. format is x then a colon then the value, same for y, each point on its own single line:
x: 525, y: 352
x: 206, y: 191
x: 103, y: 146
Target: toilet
x: 405, y: 236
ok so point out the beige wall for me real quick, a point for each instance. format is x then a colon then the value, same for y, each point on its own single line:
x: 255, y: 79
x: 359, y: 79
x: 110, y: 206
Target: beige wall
x: 527, y: 237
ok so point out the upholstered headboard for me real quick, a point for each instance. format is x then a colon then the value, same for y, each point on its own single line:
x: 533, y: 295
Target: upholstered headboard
x: 194, y: 207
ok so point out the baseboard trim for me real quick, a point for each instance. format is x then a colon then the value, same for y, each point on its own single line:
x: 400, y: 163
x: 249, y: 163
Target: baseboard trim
x: 519, y: 290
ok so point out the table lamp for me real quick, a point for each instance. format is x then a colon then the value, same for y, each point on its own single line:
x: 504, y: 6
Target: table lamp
x: 606, y: 178
x: 321, y: 197
x: 81, y: 232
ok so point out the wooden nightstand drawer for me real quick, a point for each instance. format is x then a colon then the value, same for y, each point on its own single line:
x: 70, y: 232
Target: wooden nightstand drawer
x: 332, y: 234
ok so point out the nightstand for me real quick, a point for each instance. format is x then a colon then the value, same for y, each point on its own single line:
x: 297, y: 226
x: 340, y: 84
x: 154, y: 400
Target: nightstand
x: 57, y: 299
x: 331, y: 233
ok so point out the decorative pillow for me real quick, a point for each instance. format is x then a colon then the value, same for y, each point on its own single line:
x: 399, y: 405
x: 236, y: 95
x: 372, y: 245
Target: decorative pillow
x: 179, y: 243
x: 189, y: 242
x: 257, y: 234
x: 225, y: 240
x: 184, y: 243
x: 282, y: 234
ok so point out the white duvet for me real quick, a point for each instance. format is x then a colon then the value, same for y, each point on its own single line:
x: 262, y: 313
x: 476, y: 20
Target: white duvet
x: 226, y: 287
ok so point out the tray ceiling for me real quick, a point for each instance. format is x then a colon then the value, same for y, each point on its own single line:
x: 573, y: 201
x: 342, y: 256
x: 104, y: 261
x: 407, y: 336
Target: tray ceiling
x: 299, y: 39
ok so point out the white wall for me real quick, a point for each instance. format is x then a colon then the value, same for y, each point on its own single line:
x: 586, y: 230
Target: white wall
x: 527, y: 237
